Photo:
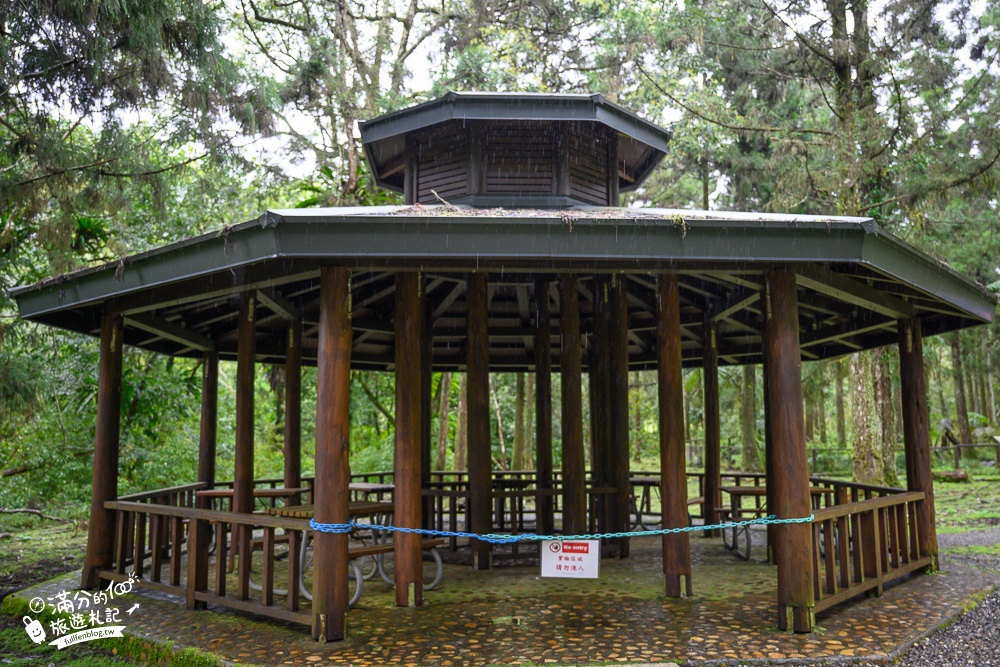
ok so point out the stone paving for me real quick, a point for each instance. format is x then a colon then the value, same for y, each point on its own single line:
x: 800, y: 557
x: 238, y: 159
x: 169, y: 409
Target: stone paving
x: 510, y: 616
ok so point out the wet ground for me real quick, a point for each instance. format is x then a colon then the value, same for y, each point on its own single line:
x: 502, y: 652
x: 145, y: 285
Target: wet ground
x: 511, y: 616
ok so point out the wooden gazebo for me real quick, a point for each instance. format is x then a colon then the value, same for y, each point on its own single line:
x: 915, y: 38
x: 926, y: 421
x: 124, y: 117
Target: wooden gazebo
x: 511, y: 253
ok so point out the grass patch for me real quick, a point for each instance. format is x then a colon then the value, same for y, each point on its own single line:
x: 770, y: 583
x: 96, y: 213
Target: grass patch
x: 54, y: 543
x: 965, y: 506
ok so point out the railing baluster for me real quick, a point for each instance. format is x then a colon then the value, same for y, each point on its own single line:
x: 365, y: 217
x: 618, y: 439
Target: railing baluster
x: 221, y: 557
x: 155, y: 546
x: 176, y: 540
x: 197, y: 578
x: 242, y: 535
x: 829, y: 555
x: 139, y: 555
x: 267, y: 569
x: 294, y: 545
x: 121, y: 526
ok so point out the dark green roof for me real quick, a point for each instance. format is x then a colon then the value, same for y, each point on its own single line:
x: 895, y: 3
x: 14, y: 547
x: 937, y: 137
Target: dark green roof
x: 855, y: 280
x: 644, y: 145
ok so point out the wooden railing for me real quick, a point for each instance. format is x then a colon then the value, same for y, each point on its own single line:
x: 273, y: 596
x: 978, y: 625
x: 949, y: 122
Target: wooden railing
x: 859, y: 546
x: 193, y: 533
x: 179, y: 496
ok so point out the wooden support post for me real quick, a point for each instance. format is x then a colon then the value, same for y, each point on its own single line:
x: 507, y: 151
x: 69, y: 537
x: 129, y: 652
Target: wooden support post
x: 789, y: 461
x: 245, y: 353
x: 407, y: 458
x: 916, y: 434
x: 104, y: 488
x: 713, y: 431
x: 601, y: 471
x: 618, y: 387
x: 209, y: 424
x: 293, y: 408
x: 426, y: 379
x: 543, y: 408
x: 772, y: 531
x: 200, y: 532
x: 333, y: 472
x: 480, y: 458
x: 570, y: 367
x: 673, y: 476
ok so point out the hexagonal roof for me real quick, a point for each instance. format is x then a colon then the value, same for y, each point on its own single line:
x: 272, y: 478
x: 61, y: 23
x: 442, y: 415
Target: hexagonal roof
x: 642, y: 144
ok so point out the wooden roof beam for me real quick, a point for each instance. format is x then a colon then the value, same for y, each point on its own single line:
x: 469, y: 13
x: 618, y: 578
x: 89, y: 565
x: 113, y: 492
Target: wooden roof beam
x: 170, y: 331
x: 278, y: 304
x: 853, y: 292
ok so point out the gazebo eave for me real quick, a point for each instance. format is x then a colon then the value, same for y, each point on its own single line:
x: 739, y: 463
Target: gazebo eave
x: 290, y: 246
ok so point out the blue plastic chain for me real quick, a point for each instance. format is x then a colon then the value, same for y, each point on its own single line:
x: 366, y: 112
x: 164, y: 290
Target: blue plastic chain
x: 523, y: 537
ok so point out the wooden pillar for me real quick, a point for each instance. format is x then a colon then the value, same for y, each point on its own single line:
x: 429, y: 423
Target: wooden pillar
x: 333, y: 472
x: 601, y: 471
x: 789, y: 464
x: 407, y: 459
x: 104, y: 488
x: 245, y: 353
x: 713, y: 434
x: 570, y: 362
x: 480, y: 458
x: 293, y: 408
x: 243, y: 501
x: 772, y: 531
x: 426, y: 379
x: 916, y: 433
x: 673, y: 475
x: 620, y: 476
x: 543, y: 408
x: 209, y: 423
x: 198, y: 543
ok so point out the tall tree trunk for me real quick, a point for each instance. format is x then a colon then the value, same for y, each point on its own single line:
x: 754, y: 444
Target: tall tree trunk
x: 518, y: 459
x: 444, y: 389
x: 529, y: 424
x: 964, y: 432
x: 868, y: 463
x: 884, y: 406
x: 496, y: 409
x: 810, y: 410
x: 939, y: 383
x: 462, y: 429
x: 750, y: 458
x: 838, y: 371
x: 983, y: 403
x: 637, y: 417
x: 821, y: 406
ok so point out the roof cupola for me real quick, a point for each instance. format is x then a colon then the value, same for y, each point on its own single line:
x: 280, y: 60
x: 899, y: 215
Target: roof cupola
x: 513, y: 150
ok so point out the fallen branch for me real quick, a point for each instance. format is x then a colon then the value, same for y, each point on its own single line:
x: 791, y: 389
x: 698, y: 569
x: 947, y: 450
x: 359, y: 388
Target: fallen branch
x: 28, y: 510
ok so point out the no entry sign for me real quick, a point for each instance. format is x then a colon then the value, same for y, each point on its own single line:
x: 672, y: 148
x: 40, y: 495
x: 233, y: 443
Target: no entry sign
x: 580, y: 559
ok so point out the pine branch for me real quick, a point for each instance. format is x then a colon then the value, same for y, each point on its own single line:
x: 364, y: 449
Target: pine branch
x: 374, y: 399
x: 728, y: 126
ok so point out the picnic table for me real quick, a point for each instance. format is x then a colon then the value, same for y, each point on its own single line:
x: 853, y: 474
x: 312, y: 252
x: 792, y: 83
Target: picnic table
x: 362, y: 491
x: 278, y: 493
x: 370, y: 546
x: 736, y: 512
x: 642, y: 506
